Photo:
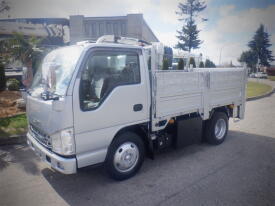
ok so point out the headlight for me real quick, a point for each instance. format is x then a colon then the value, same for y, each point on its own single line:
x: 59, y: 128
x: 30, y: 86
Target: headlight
x: 63, y: 142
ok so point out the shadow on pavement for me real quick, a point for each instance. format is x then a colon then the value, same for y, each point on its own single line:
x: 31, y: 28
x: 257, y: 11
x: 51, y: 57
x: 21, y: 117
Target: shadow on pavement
x: 20, y: 155
x: 241, y: 172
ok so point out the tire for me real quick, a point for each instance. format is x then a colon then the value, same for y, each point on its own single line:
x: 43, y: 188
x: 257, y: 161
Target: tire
x: 216, y: 128
x: 125, y: 156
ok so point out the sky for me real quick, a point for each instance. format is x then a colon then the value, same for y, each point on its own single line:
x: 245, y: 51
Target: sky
x: 231, y: 23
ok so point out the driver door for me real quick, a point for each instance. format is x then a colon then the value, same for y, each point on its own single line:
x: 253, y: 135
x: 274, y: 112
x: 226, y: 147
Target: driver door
x: 110, y: 93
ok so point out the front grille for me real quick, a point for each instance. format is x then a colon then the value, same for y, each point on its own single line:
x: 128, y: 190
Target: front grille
x: 41, y: 137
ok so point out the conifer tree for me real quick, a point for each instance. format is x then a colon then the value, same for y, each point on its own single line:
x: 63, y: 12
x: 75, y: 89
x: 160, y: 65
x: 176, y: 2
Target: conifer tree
x: 189, y: 34
x: 260, y: 44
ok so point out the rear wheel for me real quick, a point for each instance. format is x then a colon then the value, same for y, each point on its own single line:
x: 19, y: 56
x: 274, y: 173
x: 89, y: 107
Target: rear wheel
x: 125, y: 156
x: 216, y: 128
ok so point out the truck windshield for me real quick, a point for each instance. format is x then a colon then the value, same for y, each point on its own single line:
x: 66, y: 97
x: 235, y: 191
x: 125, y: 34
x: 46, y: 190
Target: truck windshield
x: 55, y: 72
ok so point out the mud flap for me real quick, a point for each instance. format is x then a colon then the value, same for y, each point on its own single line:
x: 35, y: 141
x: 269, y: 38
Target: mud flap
x: 189, y: 131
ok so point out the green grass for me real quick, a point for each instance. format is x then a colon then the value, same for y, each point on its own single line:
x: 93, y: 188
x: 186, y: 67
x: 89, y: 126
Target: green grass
x: 255, y: 89
x: 272, y: 78
x: 13, y: 125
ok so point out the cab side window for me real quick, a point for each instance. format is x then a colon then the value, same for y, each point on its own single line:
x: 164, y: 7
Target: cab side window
x: 103, y: 72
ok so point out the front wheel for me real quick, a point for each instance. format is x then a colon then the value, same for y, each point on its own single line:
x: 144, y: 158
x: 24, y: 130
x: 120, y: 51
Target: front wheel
x: 125, y: 156
x: 216, y: 128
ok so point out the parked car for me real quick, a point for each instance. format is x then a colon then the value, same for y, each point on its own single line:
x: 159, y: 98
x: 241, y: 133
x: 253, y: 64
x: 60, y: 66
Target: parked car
x: 252, y: 75
x: 260, y: 75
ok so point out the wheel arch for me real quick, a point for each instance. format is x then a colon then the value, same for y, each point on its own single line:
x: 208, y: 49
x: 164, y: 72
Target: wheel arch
x: 224, y: 109
x: 139, y: 129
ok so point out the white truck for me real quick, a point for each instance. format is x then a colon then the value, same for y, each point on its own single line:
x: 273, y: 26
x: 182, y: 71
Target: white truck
x: 109, y: 102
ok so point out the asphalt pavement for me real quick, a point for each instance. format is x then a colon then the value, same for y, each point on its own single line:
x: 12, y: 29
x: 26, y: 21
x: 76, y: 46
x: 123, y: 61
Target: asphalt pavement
x: 241, y: 171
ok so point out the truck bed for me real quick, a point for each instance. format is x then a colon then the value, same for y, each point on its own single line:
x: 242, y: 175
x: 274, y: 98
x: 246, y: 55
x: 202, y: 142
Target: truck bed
x: 178, y: 92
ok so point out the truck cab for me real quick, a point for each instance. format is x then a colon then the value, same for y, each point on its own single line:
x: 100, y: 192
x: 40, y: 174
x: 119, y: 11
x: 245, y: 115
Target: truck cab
x: 81, y: 97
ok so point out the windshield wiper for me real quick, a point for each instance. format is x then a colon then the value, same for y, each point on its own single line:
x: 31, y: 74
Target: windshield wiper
x: 47, y: 95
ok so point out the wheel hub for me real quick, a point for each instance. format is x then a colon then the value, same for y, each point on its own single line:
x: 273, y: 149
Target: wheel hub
x: 220, y: 128
x: 126, y: 157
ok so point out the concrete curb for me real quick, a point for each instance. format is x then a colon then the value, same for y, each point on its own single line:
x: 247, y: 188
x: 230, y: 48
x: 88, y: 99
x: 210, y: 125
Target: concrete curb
x: 261, y: 96
x: 15, y: 139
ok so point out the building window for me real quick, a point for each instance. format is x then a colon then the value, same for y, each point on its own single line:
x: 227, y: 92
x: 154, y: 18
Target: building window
x: 123, y: 29
x: 93, y: 28
x: 103, y: 72
x: 101, y: 29
x: 87, y: 29
x: 109, y: 28
x: 115, y: 29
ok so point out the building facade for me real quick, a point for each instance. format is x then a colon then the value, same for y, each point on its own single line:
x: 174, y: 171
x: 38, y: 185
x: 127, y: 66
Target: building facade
x: 54, y: 31
x: 91, y: 28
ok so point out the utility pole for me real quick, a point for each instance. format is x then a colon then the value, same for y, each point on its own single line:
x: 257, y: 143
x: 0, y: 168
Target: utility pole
x: 220, y: 55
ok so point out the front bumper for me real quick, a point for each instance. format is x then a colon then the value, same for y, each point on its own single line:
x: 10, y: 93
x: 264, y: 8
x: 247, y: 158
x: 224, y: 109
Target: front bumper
x: 61, y: 164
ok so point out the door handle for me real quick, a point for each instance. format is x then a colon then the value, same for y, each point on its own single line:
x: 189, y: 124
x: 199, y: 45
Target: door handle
x: 137, y: 107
